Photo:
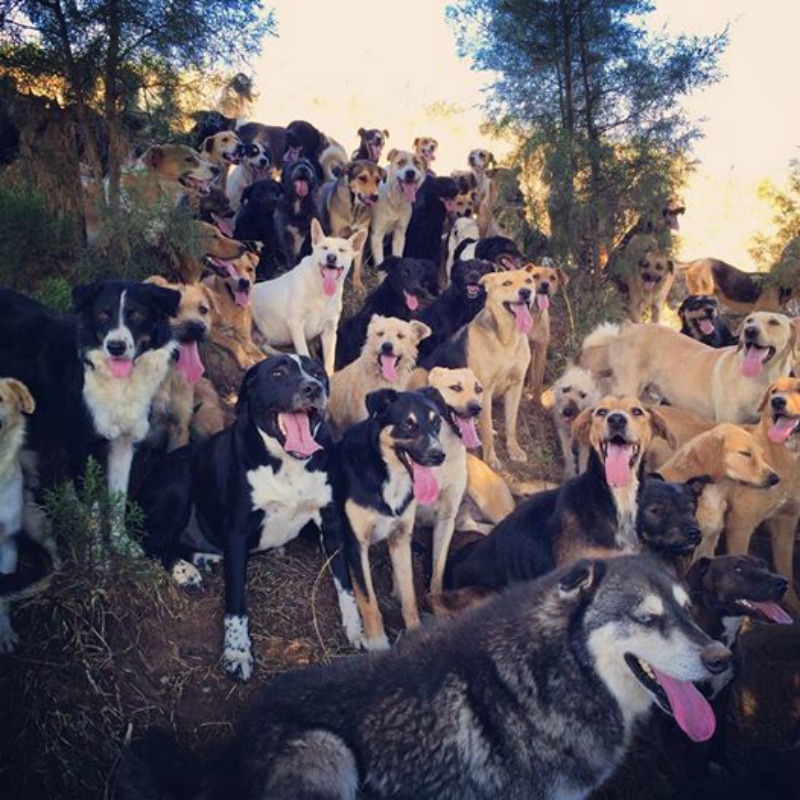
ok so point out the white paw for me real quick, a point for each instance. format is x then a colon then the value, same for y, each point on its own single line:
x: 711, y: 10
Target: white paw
x: 518, y: 455
x: 238, y: 664
x: 237, y: 655
x: 494, y: 462
x: 206, y: 562
x: 376, y: 643
x: 186, y: 575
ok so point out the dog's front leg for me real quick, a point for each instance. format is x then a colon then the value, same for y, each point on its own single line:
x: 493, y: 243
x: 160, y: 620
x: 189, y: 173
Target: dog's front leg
x: 536, y: 370
x: 376, y: 245
x: 374, y: 633
x: 487, y: 432
x: 237, y: 652
x: 120, y: 458
x: 398, y: 240
x: 328, y: 338
x: 782, y: 534
x: 511, y: 409
x: 442, y: 535
x: 298, y: 333
x: 400, y: 554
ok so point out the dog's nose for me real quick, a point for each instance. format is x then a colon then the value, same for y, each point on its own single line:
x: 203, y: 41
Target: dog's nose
x: 544, y: 287
x: 215, y: 171
x: 773, y: 479
x: 616, y: 420
x: 409, y: 175
x: 243, y: 284
x: 193, y: 331
x: 570, y: 410
x: 694, y: 535
x: 311, y: 389
x: 778, y: 403
x: 525, y: 295
x: 435, y: 456
x: 116, y: 347
x: 751, y: 332
x: 474, y: 408
x: 716, y: 658
x: 387, y: 347
x: 330, y: 258
x: 374, y: 198
x: 781, y: 584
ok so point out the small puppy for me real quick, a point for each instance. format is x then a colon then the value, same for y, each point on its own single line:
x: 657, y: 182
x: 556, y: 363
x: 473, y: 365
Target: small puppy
x: 387, y: 360
x: 295, y: 210
x: 425, y: 148
x: 306, y: 302
x: 700, y: 319
x: 372, y: 141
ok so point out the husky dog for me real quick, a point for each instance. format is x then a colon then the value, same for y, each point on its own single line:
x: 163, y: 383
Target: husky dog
x: 533, y: 695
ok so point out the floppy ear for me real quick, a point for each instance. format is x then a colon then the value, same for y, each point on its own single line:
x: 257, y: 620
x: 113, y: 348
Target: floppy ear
x: 157, y: 280
x: 153, y: 156
x: 414, y: 144
x: 794, y: 338
x: 563, y: 278
x: 581, y: 426
x: 435, y: 396
x: 660, y: 428
x: 389, y: 263
x: 671, y: 266
x: 420, y: 329
x: 490, y: 159
x: 393, y: 152
x: 208, y: 144
x: 243, y: 403
x: 358, y: 239
x: 489, y: 277
x: 27, y: 405
x: 382, y: 173
x: 765, y: 399
x: 434, y: 374
x: 697, y: 483
x: 581, y: 579
x: 385, y: 134
x: 697, y: 572
x: 166, y: 300
x: 84, y: 295
x: 377, y: 402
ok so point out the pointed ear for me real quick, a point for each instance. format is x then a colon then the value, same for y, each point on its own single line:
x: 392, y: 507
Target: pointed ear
x: 414, y: 144
x: 563, y: 278
x: 491, y: 159
x: 435, y: 396
x: 27, y: 405
x: 361, y: 132
x: 358, y: 239
x: 420, y: 329
x: 660, y: 428
x: 581, y: 579
x: 581, y: 426
x: 377, y: 402
x: 316, y: 232
x: 157, y: 280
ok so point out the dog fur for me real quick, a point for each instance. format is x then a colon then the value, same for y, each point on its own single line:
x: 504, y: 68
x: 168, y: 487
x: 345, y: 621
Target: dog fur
x: 256, y: 164
x: 424, y: 148
x: 371, y: 144
x: 700, y: 320
x: 256, y: 222
x: 295, y: 211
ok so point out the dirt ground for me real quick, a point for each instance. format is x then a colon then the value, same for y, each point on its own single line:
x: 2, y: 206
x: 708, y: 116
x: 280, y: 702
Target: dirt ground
x: 108, y: 653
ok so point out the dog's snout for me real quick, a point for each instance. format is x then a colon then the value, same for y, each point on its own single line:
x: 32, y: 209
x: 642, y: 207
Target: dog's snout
x: 243, y: 284
x: 544, y: 287
x: 570, y: 410
x: 778, y: 403
x: 751, y: 332
x: 387, y: 347
x: 525, y: 295
x: 311, y: 389
x: 616, y: 420
x: 694, y: 535
x: 409, y: 175
x: 116, y: 347
x: 773, y: 479
x: 193, y: 331
x: 330, y: 259
x: 435, y: 456
x: 473, y: 408
x: 716, y: 658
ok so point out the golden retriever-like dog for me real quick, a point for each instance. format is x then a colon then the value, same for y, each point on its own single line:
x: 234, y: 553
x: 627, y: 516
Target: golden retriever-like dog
x: 724, y: 384
x: 387, y: 360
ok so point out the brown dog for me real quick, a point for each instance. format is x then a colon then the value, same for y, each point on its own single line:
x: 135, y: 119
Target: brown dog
x: 222, y: 149
x: 425, y: 148
x: 208, y: 242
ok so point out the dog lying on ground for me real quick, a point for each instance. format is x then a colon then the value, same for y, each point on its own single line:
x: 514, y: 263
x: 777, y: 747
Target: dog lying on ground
x: 256, y: 164
x: 425, y: 149
x: 385, y: 467
x: 478, y: 711
x: 725, y: 384
x: 371, y: 143
x: 742, y: 292
x: 396, y: 195
x: 387, y: 359
x: 295, y: 211
x: 306, y: 302
x: 407, y: 283
x: 700, y: 319
x: 255, y: 222
x: 252, y: 487
x: 495, y: 346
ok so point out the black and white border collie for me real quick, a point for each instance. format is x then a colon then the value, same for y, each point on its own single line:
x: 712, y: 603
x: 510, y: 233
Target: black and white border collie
x: 251, y: 487
x: 94, y: 374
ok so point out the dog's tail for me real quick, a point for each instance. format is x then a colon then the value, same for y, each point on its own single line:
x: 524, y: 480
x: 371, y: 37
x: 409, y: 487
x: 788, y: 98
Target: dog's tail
x: 594, y: 351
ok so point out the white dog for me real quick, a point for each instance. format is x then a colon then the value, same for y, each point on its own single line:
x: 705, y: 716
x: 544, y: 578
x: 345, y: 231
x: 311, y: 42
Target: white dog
x: 392, y: 212
x: 306, y: 302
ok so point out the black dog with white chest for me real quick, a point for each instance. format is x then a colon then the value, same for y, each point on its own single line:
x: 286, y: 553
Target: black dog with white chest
x: 251, y: 487
x: 700, y: 320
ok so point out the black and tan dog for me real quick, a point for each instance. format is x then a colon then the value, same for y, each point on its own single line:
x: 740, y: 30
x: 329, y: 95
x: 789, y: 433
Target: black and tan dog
x: 371, y: 144
x: 700, y: 319
x: 384, y: 468
x: 295, y: 210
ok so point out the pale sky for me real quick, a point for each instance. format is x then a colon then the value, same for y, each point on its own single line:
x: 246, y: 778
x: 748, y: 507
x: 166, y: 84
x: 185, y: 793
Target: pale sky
x: 346, y: 64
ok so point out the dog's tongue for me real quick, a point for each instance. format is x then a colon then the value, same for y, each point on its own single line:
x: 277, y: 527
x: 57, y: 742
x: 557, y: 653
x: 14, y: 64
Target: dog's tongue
x: 389, y: 367
x: 426, y: 487
x: 618, y: 464
x: 329, y: 279
x: 120, y: 367
x: 772, y: 611
x: 706, y: 327
x: 782, y: 429
x: 299, y: 440
x: 691, y: 710
x: 542, y: 302
x: 412, y: 301
x: 189, y: 362
x: 301, y: 188
x: 410, y: 190
x: 523, y: 316
x: 466, y: 427
x: 753, y: 362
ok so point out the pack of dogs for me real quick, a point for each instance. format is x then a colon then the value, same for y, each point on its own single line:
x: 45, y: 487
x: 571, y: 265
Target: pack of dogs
x: 569, y: 619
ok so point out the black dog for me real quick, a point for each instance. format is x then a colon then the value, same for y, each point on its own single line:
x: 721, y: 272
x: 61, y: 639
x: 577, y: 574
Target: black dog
x: 434, y: 204
x: 303, y: 140
x: 93, y: 375
x: 700, y: 320
x: 407, y: 282
x: 500, y: 250
x: 255, y: 222
x: 295, y: 210
x: 464, y: 297
x: 251, y: 487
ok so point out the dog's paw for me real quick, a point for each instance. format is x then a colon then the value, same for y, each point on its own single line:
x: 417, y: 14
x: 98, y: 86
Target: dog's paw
x: 518, y: 454
x: 376, y: 643
x: 9, y: 638
x: 206, y: 562
x: 494, y: 462
x: 237, y: 654
x: 186, y: 575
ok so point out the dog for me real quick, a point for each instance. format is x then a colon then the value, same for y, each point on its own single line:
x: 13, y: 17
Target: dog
x: 222, y: 149
x: 255, y: 222
x: 391, y: 213
x: 467, y: 197
x: 573, y: 392
x: 388, y: 357
x: 385, y: 466
x: 481, y: 160
x: 207, y: 242
x: 700, y: 320
x: 252, y: 487
x: 725, y: 384
x: 295, y: 210
x: 501, y: 250
x: 495, y: 345
x: 407, y: 283
x: 648, y: 284
x: 742, y: 292
x: 303, y: 140
x: 256, y: 164
x: 434, y: 206
x: 457, y: 305
x: 306, y: 302
x: 478, y: 711
x: 424, y: 148
x: 371, y: 143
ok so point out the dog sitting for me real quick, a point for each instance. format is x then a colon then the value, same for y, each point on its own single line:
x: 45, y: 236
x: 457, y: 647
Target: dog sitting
x: 385, y: 467
x: 465, y: 229
x: 303, y: 140
x: 250, y: 488
x: 481, y: 160
x: 466, y: 201
x: 700, y: 319
x: 222, y: 149
x: 295, y: 211
x: 407, y: 283
x: 648, y: 284
x: 396, y: 195
x: 256, y: 164
x: 306, y: 302
x: 424, y: 148
x: 371, y: 143
x: 388, y: 357
x: 255, y: 222
x: 434, y: 206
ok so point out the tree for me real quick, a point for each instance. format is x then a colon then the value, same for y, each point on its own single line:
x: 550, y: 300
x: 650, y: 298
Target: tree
x: 587, y: 89
x: 101, y: 54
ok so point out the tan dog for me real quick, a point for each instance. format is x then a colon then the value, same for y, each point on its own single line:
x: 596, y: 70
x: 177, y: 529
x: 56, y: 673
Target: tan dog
x: 387, y: 360
x: 480, y: 160
x: 209, y: 243
x: 425, y: 148
x: 547, y: 281
x: 392, y: 211
x: 724, y: 384
x: 742, y: 292
x: 649, y: 284
x: 222, y: 149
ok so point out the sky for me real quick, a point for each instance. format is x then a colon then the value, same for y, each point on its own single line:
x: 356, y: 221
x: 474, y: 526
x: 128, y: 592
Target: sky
x: 388, y: 64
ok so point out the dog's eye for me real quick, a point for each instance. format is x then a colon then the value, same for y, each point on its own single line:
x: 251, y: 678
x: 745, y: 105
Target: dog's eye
x: 401, y: 336
x: 379, y: 333
x: 104, y: 316
x: 566, y: 389
x: 648, y: 620
x: 745, y: 453
x: 278, y: 372
x: 508, y: 283
x: 136, y: 316
x: 203, y: 310
x: 774, y: 322
x: 456, y: 387
x: 601, y: 412
x: 637, y: 412
x: 478, y: 389
x: 582, y: 395
x: 655, y: 511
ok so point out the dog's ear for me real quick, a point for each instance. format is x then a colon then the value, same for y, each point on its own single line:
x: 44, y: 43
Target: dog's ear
x: 435, y: 396
x: 166, y: 300
x: 153, y: 156
x: 563, y: 278
x: 697, y: 483
x: 393, y: 152
x: 358, y: 239
x: 794, y: 337
x: 316, y: 232
x: 671, y: 266
x: 490, y: 158
x: 661, y: 429
x: 420, y: 330
x: 27, y: 405
x: 243, y: 403
x: 377, y: 402
x: 414, y: 144
x: 489, y: 277
x: 382, y: 174
x: 581, y: 579
x: 245, y: 197
x: 385, y: 133
x: 389, y: 263
x: 84, y: 295
x: 361, y: 133
x: 581, y: 426
x: 208, y: 144
x: 210, y: 299
x: 157, y: 280
x: 765, y: 399
x: 697, y: 572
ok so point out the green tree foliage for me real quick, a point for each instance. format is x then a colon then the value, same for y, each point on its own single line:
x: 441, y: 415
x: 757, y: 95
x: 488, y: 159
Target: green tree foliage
x: 593, y: 97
